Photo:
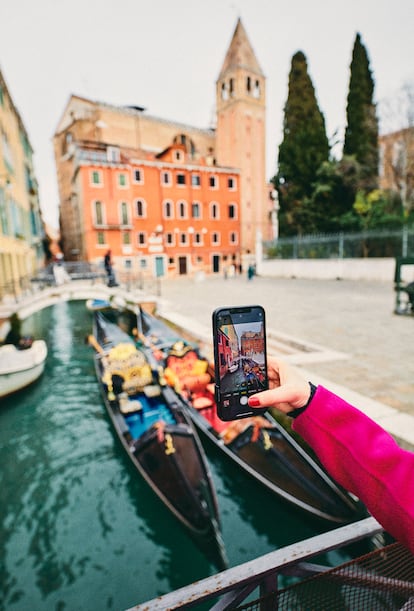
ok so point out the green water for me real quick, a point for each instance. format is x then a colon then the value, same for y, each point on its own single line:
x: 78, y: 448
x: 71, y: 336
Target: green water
x: 79, y: 529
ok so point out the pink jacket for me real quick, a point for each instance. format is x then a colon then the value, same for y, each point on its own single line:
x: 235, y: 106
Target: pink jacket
x: 364, y: 459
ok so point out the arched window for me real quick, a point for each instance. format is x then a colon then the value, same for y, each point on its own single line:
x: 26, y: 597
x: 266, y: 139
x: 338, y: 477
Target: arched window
x: 140, y: 208
x: 196, y: 210
x: 98, y: 213
x: 182, y: 210
x: 124, y: 213
x: 232, y: 211
x: 168, y: 210
x: 214, y: 211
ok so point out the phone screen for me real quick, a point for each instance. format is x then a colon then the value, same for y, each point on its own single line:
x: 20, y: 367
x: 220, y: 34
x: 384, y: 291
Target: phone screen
x: 240, y: 359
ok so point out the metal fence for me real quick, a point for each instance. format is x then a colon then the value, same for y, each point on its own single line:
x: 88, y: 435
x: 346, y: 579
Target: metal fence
x: 384, y: 243
x: 233, y: 588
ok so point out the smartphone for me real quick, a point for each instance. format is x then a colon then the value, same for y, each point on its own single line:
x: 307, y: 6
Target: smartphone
x: 240, y: 365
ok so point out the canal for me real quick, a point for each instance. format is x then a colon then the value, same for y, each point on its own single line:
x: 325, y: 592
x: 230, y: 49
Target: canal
x: 79, y: 529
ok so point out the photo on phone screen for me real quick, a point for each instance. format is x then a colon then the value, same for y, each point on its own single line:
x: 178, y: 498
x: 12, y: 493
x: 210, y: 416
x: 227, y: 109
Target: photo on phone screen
x: 240, y: 359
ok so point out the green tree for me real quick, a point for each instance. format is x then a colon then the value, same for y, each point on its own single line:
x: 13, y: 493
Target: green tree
x: 333, y: 196
x: 361, y: 134
x: 304, y: 148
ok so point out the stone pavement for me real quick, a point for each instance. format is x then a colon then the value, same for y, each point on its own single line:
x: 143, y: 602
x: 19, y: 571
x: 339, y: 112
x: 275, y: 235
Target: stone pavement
x: 340, y: 333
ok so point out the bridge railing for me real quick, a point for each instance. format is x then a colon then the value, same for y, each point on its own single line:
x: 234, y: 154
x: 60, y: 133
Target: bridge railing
x: 228, y: 589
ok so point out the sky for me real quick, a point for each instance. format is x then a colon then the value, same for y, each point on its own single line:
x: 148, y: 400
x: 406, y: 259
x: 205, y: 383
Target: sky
x: 166, y: 56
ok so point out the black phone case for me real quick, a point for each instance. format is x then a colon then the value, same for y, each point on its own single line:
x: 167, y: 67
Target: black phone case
x: 235, y: 406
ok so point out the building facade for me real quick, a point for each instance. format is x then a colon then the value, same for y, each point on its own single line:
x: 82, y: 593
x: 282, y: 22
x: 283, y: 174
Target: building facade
x: 396, y: 171
x: 164, y: 197
x: 21, y: 225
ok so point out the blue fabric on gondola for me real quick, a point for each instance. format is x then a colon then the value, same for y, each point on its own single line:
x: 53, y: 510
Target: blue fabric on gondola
x: 153, y: 411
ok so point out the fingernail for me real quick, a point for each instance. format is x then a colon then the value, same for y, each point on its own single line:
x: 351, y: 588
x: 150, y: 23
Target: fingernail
x: 254, y: 402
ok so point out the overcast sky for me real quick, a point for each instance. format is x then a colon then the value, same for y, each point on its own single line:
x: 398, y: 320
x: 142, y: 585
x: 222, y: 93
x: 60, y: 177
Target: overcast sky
x: 166, y: 55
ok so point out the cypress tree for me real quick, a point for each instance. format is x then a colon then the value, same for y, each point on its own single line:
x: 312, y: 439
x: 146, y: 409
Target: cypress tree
x: 361, y: 134
x: 304, y: 148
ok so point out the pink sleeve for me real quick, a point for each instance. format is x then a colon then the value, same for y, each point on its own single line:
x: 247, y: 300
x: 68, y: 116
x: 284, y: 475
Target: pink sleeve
x: 364, y: 459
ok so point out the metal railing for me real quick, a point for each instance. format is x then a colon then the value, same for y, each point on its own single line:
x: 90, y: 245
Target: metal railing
x: 235, y: 585
x: 380, y: 243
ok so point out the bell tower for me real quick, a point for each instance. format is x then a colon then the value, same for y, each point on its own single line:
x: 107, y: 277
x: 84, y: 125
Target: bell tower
x: 241, y: 132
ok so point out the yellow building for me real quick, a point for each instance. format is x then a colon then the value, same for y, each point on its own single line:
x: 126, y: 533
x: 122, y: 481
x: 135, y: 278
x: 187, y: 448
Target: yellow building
x: 21, y: 227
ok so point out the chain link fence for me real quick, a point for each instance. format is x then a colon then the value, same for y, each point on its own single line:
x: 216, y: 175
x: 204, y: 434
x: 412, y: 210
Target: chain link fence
x: 386, y: 243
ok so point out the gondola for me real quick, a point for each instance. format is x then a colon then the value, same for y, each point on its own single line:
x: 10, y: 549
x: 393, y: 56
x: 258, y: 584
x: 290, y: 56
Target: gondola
x: 260, y: 445
x: 21, y: 367
x: 157, y: 435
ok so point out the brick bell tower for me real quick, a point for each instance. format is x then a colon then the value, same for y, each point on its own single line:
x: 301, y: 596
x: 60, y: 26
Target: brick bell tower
x: 241, y: 133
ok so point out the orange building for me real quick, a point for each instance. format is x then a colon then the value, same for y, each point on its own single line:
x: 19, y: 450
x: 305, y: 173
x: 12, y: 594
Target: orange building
x: 160, y: 215
x: 164, y: 197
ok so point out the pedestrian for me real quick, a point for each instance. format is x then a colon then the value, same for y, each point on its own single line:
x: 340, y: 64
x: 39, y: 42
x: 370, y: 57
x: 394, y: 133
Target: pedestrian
x: 109, y: 269
x: 357, y: 452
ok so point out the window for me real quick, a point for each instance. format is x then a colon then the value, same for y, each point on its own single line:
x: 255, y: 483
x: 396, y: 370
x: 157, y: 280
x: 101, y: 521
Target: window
x: 233, y: 237
x: 231, y: 87
x: 182, y: 210
x: 122, y: 180
x: 138, y: 176
x: 98, y: 213
x: 100, y: 238
x: 169, y: 239
x: 166, y: 178
x: 168, y: 210
x: 213, y: 182
x: 196, y: 210
x: 198, y: 238
x: 215, y: 238
x: 180, y: 179
x: 256, y: 90
x: 126, y: 238
x: 248, y: 84
x: 214, y: 210
x: 178, y: 155
x: 232, y: 211
x: 112, y: 154
x: 141, y: 238
x: 195, y: 180
x: 124, y: 214
x: 231, y: 183
x: 183, y: 239
x: 224, y: 92
x: 140, y: 208
x: 96, y: 177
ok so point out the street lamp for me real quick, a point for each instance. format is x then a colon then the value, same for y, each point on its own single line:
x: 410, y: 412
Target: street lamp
x: 274, y: 213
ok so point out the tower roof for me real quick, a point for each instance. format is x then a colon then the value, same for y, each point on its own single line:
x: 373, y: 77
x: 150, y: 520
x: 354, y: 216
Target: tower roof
x: 240, y: 53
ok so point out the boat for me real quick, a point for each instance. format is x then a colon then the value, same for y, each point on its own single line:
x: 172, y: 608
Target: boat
x: 20, y: 367
x: 157, y: 434
x: 259, y: 445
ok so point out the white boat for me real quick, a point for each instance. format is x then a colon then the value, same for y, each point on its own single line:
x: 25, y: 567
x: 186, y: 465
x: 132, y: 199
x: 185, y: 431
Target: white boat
x: 19, y: 368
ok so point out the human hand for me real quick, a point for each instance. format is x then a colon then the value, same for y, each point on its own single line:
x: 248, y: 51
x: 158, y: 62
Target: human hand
x: 288, y: 390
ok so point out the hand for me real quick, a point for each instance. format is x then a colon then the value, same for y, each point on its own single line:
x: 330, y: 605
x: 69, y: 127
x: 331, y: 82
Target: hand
x: 288, y: 390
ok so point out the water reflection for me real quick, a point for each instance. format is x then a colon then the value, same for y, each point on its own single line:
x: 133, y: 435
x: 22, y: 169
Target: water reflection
x: 79, y: 529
